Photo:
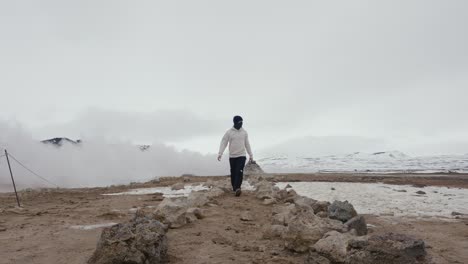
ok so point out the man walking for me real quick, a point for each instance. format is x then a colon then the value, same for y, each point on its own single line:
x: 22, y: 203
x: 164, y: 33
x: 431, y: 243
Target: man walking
x: 238, y: 140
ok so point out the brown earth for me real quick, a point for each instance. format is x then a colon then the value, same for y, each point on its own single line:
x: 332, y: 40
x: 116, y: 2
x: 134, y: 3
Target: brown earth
x: 41, y: 232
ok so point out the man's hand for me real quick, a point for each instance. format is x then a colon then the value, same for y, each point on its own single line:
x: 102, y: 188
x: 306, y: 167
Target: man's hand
x: 219, y: 157
x: 251, y: 159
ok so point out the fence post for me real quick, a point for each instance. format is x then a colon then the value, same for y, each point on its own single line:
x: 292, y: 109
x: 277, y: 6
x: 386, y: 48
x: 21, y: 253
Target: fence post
x: 12, y: 179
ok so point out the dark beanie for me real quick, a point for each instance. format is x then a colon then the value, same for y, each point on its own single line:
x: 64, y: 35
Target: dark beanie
x: 237, y: 119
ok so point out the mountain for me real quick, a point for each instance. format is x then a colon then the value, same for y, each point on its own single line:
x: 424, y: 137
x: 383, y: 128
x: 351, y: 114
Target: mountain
x: 59, y: 141
x: 322, y: 146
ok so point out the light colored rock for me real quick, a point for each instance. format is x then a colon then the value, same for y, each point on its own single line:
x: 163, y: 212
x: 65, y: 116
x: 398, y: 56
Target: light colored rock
x: 247, y: 216
x: 334, y: 245
x: 269, y: 201
x: 198, y: 199
x: 305, y: 229
x: 178, y: 186
x: 266, y: 190
x: 171, y: 212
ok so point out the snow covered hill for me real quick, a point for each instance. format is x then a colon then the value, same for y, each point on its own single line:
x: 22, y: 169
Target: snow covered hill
x: 382, y: 162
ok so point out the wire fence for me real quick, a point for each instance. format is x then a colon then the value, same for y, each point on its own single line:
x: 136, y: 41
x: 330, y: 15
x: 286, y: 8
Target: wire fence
x: 28, y: 169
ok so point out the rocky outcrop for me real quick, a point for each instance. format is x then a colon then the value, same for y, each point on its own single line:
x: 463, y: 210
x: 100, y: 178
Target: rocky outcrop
x: 387, y: 249
x: 141, y: 240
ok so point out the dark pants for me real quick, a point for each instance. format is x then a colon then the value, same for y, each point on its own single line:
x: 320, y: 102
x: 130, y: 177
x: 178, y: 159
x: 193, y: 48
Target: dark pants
x: 237, y: 171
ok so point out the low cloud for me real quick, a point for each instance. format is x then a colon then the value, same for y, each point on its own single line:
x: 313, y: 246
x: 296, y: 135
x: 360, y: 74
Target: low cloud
x: 96, y: 162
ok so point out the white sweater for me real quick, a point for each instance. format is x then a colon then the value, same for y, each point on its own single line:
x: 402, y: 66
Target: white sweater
x: 238, y: 142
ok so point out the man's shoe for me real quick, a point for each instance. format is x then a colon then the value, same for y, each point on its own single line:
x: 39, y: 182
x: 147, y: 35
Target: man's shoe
x: 238, y: 192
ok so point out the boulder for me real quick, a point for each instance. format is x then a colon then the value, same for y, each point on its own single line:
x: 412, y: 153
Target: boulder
x: 178, y: 186
x: 141, y: 240
x: 273, y: 231
x: 358, y: 223
x: 198, y: 199
x: 247, y: 216
x: 305, y: 229
x: 285, y: 195
x: 266, y: 190
x: 252, y: 168
x: 388, y: 248
x: 342, y: 211
x: 171, y: 212
x: 334, y: 245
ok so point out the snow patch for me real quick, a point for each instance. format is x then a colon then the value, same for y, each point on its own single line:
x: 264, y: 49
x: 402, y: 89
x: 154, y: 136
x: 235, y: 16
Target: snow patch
x: 168, y: 192
x: 91, y: 227
x: 388, y: 200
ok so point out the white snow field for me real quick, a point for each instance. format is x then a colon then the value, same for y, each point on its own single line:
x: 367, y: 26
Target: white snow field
x: 388, y: 200
x: 167, y: 192
x: 381, y: 162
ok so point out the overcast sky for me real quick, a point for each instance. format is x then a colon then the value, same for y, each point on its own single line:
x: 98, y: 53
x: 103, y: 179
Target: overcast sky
x: 177, y: 71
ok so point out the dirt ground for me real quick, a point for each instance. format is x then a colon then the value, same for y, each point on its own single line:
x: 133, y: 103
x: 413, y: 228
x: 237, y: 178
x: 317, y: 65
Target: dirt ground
x: 41, y: 231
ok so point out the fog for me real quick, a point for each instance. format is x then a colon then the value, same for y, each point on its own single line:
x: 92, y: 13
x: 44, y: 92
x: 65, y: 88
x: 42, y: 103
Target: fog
x: 309, y: 78
x: 95, y: 162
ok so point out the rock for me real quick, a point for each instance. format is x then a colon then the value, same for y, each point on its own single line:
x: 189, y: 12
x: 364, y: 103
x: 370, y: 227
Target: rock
x: 321, y: 206
x: 186, y: 177
x: 198, y: 199
x: 305, y: 203
x: 246, y: 216
x: 269, y: 201
x: 197, y: 212
x: 282, y: 214
x: 252, y: 168
x: 399, y: 190
x: 171, y: 212
x: 388, y: 248
x: 334, y: 245
x: 456, y: 213
x: 285, y: 195
x: 190, y: 217
x: 266, y: 190
x: 315, y: 258
x: 333, y: 189
x: 342, y: 211
x: 288, y: 186
x: 214, y: 192
x: 305, y: 229
x: 357, y: 223
x: 141, y: 240
x: 273, y: 231
x: 178, y: 186
x: 322, y: 214
x: 221, y: 240
x: 420, y: 192
x: 2, y: 229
